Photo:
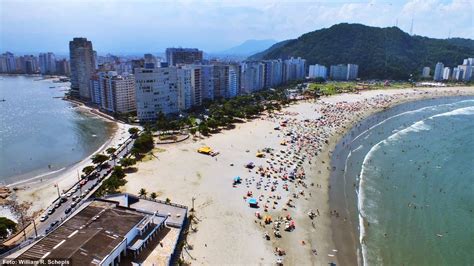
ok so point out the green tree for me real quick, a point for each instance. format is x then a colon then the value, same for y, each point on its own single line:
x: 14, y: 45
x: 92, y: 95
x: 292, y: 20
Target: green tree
x: 153, y: 195
x: 118, y: 172
x: 142, y: 192
x: 88, y: 170
x: 126, y: 162
x: 6, y: 225
x: 99, y: 158
x: 111, y: 150
x: 133, y: 131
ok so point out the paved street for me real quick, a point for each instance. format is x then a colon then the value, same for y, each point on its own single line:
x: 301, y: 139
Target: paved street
x: 75, y: 196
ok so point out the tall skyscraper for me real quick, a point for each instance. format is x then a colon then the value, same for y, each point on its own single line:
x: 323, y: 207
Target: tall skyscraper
x: 180, y: 56
x: 156, y: 91
x: 446, y: 73
x: 438, y: 74
x: 252, y: 76
x: 338, y: 72
x: 294, y: 69
x: 82, y: 67
x: 221, y: 80
x: 318, y: 71
x: 425, y: 73
x: 10, y: 62
x: 184, y: 89
x: 273, y: 73
x: 47, y: 63
x: 352, y: 71
x: 234, y: 81
x: 63, y: 68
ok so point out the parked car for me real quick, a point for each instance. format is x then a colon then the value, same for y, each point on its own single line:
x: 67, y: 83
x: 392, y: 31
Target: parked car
x: 73, y: 204
x: 69, y: 194
x: 51, y: 211
x: 57, y: 205
x: 44, y: 218
x: 68, y: 210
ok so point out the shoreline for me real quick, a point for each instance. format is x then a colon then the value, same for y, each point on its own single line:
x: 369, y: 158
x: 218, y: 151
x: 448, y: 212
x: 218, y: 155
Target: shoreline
x: 351, y: 241
x: 219, y: 205
x: 39, y: 192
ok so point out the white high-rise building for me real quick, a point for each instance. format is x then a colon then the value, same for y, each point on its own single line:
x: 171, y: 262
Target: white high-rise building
x: 446, y: 73
x: 352, y: 71
x: 438, y: 74
x: 294, y: 69
x: 338, y: 72
x: 184, y: 89
x: 47, y: 63
x: 112, y: 92
x: 234, y: 74
x: 252, y: 76
x: 156, y: 91
x: 318, y: 71
x: 273, y: 73
x: 425, y: 73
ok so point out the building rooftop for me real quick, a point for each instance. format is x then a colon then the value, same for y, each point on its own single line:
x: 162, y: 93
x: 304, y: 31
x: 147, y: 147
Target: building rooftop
x: 89, y: 236
x: 176, y: 213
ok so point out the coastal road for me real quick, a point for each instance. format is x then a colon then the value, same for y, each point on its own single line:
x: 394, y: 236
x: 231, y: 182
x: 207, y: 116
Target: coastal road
x: 78, y: 192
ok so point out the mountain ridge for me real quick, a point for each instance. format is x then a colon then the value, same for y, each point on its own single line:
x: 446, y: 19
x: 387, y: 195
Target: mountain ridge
x: 380, y: 52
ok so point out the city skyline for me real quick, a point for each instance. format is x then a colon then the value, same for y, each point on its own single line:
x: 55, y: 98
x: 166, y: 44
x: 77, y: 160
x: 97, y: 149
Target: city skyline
x: 211, y: 26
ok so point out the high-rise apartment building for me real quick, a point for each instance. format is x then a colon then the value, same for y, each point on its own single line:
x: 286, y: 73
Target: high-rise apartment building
x: 446, y: 73
x: 9, y: 62
x: 425, y: 73
x: 252, y: 76
x: 273, y: 73
x: 294, y: 69
x: 184, y: 89
x: 82, y: 67
x: 113, y: 92
x: 438, y: 73
x: 47, y: 63
x: 338, y: 72
x: 63, y: 68
x: 234, y: 81
x: 318, y: 71
x: 221, y: 80
x: 352, y: 71
x: 156, y: 91
x: 180, y: 56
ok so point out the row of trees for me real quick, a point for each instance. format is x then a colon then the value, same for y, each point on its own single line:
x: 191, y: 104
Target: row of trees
x: 223, y: 113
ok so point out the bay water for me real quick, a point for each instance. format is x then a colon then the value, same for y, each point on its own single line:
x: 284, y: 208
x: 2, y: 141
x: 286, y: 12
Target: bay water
x: 41, y: 133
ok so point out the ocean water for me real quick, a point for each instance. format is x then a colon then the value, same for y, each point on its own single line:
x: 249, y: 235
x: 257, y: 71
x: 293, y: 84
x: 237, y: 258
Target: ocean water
x: 40, y: 134
x: 412, y: 170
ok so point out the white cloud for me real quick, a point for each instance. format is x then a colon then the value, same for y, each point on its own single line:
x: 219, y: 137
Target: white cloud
x: 212, y: 25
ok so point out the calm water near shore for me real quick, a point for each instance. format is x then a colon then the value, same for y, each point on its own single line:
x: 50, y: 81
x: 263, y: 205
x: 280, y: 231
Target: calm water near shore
x: 41, y: 134
x: 407, y: 179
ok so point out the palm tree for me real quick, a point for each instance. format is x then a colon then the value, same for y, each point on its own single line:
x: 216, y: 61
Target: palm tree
x: 153, y: 195
x: 142, y: 192
x: 111, y: 152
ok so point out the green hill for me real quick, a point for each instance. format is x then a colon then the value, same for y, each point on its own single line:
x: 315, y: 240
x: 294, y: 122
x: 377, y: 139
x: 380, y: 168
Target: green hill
x: 383, y: 53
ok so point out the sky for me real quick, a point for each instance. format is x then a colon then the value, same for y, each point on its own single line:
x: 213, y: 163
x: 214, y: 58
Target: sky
x: 139, y: 26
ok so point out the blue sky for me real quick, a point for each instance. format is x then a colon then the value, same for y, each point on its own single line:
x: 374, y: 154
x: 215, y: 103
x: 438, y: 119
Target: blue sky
x: 121, y: 26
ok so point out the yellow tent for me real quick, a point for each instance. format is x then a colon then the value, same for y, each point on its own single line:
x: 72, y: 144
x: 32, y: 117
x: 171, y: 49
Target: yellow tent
x: 260, y: 154
x: 205, y: 150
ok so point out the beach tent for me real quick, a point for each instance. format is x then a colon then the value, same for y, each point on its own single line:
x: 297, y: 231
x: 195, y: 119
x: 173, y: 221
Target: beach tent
x: 205, y: 150
x: 260, y: 154
x: 237, y: 180
x: 253, y: 202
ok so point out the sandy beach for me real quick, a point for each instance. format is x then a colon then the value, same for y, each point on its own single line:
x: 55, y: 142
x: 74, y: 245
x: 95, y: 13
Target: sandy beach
x: 227, y: 230
x: 39, y: 192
